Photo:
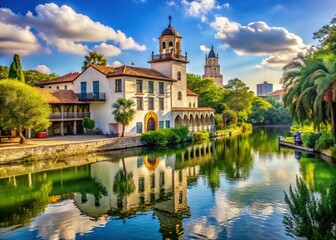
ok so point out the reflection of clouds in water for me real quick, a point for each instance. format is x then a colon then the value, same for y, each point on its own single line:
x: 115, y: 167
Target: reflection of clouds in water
x: 64, y: 220
x: 204, y: 230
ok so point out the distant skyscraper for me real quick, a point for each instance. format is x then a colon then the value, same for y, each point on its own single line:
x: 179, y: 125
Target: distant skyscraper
x: 212, y: 68
x: 264, y: 88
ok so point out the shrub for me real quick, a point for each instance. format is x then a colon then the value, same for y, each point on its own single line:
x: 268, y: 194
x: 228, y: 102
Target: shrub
x: 201, y: 135
x: 333, y: 151
x: 88, y: 123
x: 309, y: 140
x: 325, y: 141
x: 162, y: 137
x: 246, y: 126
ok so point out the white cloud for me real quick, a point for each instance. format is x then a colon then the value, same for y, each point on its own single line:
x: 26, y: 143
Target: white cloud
x: 226, y: 5
x: 198, y: 8
x: 107, y: 50
x: 154, y: 39
x: 43, y: 69
x: 204, y: 18
x: 171, y: 3
x: 259, y: 39
x: 68, y: 30
x: 15, y: 39
x: 204, y: 49
x: 116, y: 64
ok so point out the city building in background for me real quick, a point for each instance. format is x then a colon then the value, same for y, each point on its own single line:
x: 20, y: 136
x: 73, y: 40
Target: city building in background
x: 264, y: 88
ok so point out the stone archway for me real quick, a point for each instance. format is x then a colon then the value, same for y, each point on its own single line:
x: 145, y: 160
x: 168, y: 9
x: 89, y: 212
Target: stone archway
x: 178, y: 121
x: 151, y: 121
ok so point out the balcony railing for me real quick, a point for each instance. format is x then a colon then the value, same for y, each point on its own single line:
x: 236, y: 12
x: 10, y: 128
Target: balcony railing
x: 91, y: 96
x: 169, y: 56
x: 67, y: 115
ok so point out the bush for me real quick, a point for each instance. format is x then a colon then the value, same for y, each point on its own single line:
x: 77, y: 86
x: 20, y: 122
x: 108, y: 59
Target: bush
x: 309, y: 140
x: 162, y: 137
x: 246, y: 126
x: 201, y: 135
x: 333, y: 151
x: 88, y: 123
x: 325, y: 141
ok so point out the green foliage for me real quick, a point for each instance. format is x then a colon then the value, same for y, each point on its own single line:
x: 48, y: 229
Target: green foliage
x: 325, y: 141
x: 229, y: 117
x: 94, y: 58
x: 15, y: 70
x: 246, y: 126
x: 166, y: 136
x: 88, y: 123
x: 309, y: 216
x: 124, y: 112
x: 259, y: 109
x: 327, y: 36
x: 310, y: 139
x: 33, y: 76
x: 4, y: 70
x: 201, y: 135
x: 332, y: 150
x: 21, y: 106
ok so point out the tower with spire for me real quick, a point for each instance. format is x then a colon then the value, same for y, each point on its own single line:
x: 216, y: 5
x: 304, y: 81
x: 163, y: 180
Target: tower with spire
x: 212, y: 68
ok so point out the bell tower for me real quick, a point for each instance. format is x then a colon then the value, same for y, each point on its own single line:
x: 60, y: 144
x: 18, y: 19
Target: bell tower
x: 171, y: 63
x: 212, y: 68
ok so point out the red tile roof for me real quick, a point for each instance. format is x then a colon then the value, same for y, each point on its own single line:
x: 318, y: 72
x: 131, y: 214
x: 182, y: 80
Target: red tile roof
x: 70, y: 77
x: 191, y: 93
x: 277, y: 93
x: 58, y: 96
x: 131, y: 71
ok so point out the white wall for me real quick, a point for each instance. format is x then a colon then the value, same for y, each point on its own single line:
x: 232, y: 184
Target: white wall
x: 61, y: 86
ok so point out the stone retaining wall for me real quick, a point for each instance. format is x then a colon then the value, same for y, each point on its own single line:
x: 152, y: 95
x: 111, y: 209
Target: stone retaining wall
x: 12, y: 154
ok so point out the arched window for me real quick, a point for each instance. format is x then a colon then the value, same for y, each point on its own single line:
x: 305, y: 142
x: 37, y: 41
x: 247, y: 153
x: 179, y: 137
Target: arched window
x: 179, y: 96
x: 170, y: 44
x: 179, y: 75
x: 164, y: 45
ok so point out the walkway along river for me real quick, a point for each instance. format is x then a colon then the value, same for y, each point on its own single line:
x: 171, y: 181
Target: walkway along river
x: 231, y: 188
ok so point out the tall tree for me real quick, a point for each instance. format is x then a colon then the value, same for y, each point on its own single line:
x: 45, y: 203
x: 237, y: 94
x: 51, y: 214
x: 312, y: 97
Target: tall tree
x: 22, y: 107
x: 327, y: 37
x: 4, y: 72
x: 15, y: 70
x: 94, y: 58
x: 124, y: 112
x: 33, y: 76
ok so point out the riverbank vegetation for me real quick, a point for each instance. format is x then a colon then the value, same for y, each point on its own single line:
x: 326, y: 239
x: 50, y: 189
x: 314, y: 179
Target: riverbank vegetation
x: 166, y: 136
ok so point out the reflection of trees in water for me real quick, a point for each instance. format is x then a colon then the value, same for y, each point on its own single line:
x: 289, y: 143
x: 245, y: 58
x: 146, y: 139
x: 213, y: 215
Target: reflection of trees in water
x: 21, y: 202
x: 28, y: 197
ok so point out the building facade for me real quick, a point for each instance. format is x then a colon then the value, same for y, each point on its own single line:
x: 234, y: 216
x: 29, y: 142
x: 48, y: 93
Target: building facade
x: 264, y: 88
x: 212, y: 68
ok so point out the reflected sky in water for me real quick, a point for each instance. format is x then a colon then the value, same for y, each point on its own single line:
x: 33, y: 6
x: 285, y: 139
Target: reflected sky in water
x: 231, y: 188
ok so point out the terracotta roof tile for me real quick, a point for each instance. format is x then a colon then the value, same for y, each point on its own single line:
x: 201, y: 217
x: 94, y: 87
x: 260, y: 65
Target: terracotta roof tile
x: 58, y: 96
x: 277, y: 93
x: 191, y: 93
x: 70, y: 77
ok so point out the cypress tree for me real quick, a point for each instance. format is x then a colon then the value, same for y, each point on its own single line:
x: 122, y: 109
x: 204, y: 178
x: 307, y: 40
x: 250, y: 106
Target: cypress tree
x: 15, y: 70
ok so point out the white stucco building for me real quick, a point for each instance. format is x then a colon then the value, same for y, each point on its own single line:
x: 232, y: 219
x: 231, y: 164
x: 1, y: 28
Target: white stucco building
x: 160, y: 92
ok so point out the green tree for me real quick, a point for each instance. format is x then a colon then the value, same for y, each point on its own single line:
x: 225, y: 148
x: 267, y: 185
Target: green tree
x: 22, y: 107
x: 33, y: 76
x: 259, y: 110
x: 4, y: 72
x: 15, y: 70
x: 229, y: 117
x: 327, y: 36
x: 88, y: 123
x: 239, y: 98
x: 309, y: 216
x: 124, y: 112
x: 94, y: 58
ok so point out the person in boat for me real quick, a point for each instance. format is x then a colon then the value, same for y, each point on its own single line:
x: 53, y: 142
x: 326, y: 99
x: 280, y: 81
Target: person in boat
x: 298, y: 139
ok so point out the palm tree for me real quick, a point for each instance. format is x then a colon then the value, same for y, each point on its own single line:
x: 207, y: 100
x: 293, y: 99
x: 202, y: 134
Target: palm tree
x: 94, y: 58
x: 124, y: 112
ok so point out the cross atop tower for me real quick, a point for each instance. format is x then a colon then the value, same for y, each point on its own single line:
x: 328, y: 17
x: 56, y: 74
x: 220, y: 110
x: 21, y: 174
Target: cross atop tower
x: 170, y: 18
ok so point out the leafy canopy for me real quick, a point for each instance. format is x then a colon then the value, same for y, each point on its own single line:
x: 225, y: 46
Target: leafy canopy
x: 15, y: 70
x: 94, y: 58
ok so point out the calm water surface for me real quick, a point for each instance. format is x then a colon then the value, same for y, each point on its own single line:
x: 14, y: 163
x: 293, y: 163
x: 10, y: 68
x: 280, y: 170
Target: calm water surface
x: 232, y: 188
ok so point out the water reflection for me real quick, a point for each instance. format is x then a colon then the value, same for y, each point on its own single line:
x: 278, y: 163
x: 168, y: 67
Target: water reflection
x: 230, y: 188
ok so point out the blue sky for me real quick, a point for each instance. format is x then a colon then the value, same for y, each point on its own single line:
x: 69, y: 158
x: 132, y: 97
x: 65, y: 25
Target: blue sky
x: 253, y: 38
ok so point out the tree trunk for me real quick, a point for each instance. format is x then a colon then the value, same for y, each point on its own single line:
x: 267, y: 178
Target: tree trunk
x: 22, y: 138
x: 123, y: 130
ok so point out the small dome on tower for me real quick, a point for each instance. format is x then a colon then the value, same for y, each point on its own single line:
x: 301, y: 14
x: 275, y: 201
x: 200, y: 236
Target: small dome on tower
x: 212, y: 53
x: 169, y: 30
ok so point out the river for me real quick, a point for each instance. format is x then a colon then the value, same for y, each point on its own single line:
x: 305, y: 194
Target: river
x: 231, y: 188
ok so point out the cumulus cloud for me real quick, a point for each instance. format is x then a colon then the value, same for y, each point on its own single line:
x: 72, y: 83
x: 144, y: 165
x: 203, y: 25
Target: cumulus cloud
x: 171, y: 3
x: 204, y: 49
x: 67, y: 30
x: 107, y: 50
x: 198, y: 8
x: 15, y: 39
x: 260, y: 39
x: 43, y: 69
x: 116, y: 64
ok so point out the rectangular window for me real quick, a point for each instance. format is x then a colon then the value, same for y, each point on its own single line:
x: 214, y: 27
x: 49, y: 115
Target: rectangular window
x: 140, y: 161
x: 152, y: 180
x: 150, y: 87
x: 118, y: 87
x: 65, y: 87
x: 150, y: 103
x: 161, y: 103
x: 139, y: 103
x: 139, y: 86
x: 83, y: 87
x: 57, y: 87
x: 161, y: 88
x: 139, y: 127
x: 167, y: 124
x: 161, y: 124
x: 162, y: 179
x: 141, y: 184
x: 96, y: 87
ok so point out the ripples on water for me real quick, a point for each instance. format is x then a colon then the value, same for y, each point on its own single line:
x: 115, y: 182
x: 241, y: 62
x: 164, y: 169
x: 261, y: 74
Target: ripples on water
x: 232, y: 188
